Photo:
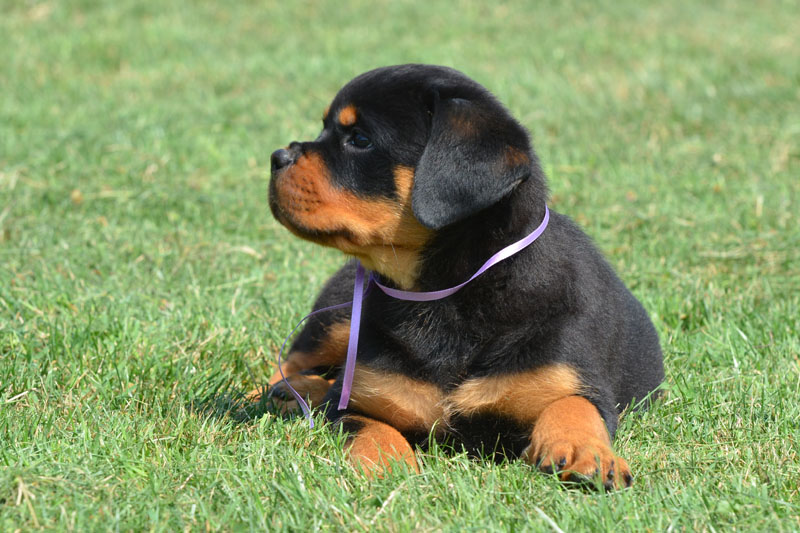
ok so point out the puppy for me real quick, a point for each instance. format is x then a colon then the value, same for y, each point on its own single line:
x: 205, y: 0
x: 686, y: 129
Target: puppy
x: 422, y: 175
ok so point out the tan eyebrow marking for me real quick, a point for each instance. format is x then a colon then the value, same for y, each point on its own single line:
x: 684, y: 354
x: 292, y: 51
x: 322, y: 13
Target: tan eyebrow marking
x: 347, y: 116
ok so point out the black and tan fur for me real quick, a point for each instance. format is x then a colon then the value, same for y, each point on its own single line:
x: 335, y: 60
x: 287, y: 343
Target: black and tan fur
x: 422, y: 175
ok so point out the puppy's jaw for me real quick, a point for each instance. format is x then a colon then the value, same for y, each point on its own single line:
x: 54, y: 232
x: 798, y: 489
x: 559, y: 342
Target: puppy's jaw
x: 381, y: 232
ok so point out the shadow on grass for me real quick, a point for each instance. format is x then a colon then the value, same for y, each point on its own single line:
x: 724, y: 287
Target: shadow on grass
x: 224, y: 401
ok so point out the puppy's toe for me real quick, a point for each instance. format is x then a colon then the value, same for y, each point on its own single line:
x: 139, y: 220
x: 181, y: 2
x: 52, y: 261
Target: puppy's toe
x: 596, y: 465
x: 589, y: 462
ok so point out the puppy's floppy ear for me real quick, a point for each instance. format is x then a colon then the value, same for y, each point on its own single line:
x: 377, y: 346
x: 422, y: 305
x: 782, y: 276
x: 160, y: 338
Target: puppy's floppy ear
x: 475, y: 155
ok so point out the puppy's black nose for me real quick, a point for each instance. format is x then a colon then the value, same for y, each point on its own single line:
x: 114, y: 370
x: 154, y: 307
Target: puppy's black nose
x: 281, y: 158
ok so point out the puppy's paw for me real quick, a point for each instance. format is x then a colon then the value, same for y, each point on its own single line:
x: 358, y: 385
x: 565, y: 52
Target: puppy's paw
x: 373, y: 446
x: 312, y: 388
x: 579, y: 458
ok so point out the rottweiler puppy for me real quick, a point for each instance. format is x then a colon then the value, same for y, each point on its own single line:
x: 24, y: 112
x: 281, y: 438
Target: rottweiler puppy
x: 421, y: 174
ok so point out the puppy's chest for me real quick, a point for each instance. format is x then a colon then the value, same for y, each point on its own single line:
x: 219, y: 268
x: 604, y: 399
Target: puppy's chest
x: 430, y: 342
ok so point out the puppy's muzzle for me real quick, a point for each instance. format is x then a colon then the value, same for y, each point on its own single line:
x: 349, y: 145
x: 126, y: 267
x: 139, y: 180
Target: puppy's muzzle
x: 281, y: 161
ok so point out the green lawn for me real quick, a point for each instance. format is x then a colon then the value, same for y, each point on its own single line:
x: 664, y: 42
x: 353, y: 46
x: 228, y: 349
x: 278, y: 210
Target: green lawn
x: 142, y: 275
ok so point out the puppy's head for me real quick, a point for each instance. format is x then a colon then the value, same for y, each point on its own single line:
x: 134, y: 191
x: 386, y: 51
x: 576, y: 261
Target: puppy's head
x: 404, y: 152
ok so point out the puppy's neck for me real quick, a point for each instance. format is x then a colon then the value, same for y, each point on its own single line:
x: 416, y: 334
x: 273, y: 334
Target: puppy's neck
x: 457, y: 251
x: 424, y: 261
x: 396, y: 254
x: 400, y: 265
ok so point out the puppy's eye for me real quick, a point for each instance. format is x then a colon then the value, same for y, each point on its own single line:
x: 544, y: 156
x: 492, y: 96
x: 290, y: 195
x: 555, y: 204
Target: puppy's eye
x: 359, y: 140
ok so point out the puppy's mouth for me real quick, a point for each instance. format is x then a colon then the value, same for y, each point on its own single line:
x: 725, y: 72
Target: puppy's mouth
x: 342, y: 239
x: 283, y: 212
x: 381, y: 232
x: 296, y: 202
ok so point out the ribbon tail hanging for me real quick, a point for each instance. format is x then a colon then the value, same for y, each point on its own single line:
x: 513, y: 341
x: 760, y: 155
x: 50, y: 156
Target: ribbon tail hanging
x: 352, y: 346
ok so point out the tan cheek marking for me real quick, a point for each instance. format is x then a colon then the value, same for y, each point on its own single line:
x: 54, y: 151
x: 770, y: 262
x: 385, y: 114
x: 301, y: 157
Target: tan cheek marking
x: 383, y: 233
x: 305, y: 191
x: 521, y: 396
x: 399, y: 242
x: 404, y: 182
x: 347, y: 115
x: 330, y: 352
x: 404, y: 403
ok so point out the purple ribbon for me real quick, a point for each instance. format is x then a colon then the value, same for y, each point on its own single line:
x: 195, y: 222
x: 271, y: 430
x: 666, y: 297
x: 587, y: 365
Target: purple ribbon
x: 358, y: 298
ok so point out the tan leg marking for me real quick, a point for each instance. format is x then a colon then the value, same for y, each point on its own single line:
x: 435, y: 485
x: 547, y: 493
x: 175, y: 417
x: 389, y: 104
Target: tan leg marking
x: 311, y: 388
x: 330, y: 352
x: 570, y: 437
x: 376, y: 445
x: 405, y: 403
x: 521, y: 396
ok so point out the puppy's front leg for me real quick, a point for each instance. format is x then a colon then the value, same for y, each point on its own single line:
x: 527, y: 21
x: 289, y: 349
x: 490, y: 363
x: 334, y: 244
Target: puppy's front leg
x: 317, y: 346
x: 325, y: 348
x: 373, y: 446
x: 570, y: 437
x: 321, y: 343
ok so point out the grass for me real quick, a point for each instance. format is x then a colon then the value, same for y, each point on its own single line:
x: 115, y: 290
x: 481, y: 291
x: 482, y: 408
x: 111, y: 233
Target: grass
x: 141, y: 272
